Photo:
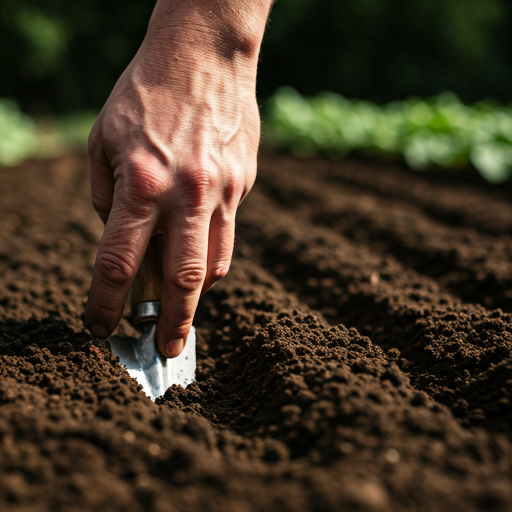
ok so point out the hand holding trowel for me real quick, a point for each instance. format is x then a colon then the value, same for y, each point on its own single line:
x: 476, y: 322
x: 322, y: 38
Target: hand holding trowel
x: 141, y: 356
x: 175, y: 147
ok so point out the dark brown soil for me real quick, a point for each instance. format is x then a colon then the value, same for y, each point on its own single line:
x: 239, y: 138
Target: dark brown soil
x: 357, y: 357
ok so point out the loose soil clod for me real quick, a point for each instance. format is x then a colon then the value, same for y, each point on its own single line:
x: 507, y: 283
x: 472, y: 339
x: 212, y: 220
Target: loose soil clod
x: 354, y: 358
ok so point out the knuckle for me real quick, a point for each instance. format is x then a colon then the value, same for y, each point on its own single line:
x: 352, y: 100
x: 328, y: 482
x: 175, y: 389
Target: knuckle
x: 115, y: 268
x: 219, y: 271
x: 188, y: 279
x: 250, y: 179
x: 145, y: 179
x: 239, y: 184
x: 197, y: 184
x: 233, y: 189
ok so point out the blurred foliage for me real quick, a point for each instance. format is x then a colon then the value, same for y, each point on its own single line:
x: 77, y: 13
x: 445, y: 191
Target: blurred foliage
x: 59, y: 55
x: 439, y: 131
x: 18, y: 134
x: 21, y: 137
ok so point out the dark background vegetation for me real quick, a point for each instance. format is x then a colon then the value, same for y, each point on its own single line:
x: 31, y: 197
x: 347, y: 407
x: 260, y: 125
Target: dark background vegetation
x: 59, y: 55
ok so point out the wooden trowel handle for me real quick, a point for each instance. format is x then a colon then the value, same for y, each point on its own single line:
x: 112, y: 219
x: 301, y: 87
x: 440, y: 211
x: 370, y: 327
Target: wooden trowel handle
x: 147, y: 285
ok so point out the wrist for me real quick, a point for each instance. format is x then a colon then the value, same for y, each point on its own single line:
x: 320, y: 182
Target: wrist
x: 227, y: 31
x: 185, y: 62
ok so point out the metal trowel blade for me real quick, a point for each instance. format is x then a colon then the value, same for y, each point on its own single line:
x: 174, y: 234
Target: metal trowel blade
x: 145, y: 363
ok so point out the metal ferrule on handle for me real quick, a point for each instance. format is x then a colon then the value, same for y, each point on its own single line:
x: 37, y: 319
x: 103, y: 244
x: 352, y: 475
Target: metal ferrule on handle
x: 147, y: 311
x: 147, y: 285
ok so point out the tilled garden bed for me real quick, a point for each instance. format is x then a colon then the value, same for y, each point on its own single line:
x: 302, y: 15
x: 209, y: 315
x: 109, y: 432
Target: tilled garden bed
x: 356, y: 357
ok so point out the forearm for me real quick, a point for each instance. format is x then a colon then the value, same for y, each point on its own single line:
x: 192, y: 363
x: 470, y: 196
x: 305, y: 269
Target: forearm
x: 225, y: 31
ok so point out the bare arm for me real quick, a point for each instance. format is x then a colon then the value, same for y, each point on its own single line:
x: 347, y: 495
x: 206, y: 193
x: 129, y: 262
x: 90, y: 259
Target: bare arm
x: 173, y: 151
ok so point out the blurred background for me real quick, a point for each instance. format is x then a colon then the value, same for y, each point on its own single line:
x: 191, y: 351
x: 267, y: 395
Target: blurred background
x: 60, y: 60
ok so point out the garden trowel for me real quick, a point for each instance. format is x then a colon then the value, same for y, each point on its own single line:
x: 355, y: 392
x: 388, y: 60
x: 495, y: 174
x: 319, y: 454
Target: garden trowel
x: 141, y: 356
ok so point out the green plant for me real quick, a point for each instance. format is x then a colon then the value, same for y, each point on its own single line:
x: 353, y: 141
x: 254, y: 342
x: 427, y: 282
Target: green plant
x: 438, y: 131
x: 18, y: 134
x: 21, y: 137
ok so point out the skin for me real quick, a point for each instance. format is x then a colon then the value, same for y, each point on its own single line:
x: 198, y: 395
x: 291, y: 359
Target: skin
x: 173, y: 151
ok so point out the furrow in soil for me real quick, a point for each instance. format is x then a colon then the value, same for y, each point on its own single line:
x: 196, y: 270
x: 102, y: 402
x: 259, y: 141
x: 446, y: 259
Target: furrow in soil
x: 448, y: 198
x: 475, y: 266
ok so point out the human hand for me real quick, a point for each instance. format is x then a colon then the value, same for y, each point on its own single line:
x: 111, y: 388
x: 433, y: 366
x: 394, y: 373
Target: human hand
x: 173, y: 151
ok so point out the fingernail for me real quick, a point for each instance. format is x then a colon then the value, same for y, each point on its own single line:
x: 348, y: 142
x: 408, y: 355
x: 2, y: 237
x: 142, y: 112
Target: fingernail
x: 98, y: 330
x: 173, y: 348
